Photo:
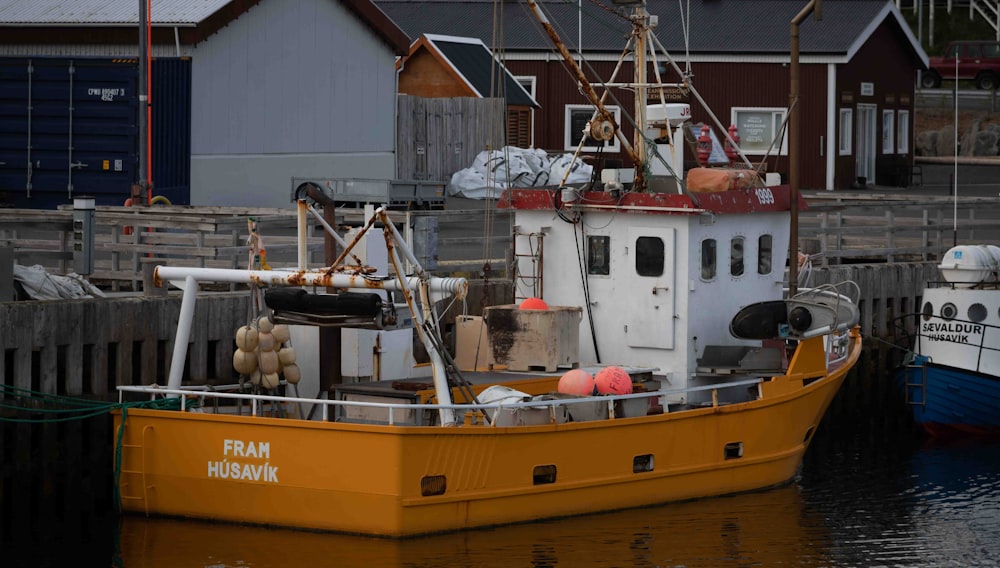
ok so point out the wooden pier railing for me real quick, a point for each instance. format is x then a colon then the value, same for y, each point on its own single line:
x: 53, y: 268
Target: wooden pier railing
x: 838, y: 228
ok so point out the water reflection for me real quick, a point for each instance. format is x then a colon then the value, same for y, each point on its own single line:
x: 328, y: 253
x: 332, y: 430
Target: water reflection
x: 769, y: 528
x: 890, y: 505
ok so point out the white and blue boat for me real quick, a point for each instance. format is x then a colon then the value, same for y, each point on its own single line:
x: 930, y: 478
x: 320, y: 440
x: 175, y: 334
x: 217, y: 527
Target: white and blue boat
x: 952, y: 377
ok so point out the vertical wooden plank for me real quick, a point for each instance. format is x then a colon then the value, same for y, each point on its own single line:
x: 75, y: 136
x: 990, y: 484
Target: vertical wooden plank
x: 6, y: 337
x: 198, y: 350
x: 24, y: 334
x: 148, y: 334
x: 97, y: 336
x: 73, y: 340
x: 125, y: 318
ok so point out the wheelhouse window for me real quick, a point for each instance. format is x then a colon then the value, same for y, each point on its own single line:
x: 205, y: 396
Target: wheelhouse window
x: 577, y: 117
x: 759, y: 127
x: 649, y: 256
x: 736, y: 256
x: 846, y: 131
x: 764, y: 260
x: 599, y: 255
x: 708, y: 259
x: 888, y: 131
x: 902, y: 132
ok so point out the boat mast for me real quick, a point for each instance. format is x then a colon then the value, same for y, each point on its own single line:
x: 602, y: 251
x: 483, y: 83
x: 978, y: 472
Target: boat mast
x: 794, y: 127
x: 604, y: 126
x: 640, y: 22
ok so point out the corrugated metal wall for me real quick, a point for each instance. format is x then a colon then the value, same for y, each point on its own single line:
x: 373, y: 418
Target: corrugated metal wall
x: 299, y: 88
x: 301, y: 76
x: 171, y: 128
x: 69, y: 127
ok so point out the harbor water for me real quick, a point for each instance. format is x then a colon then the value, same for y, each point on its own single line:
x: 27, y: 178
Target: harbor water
x: 866, y: 495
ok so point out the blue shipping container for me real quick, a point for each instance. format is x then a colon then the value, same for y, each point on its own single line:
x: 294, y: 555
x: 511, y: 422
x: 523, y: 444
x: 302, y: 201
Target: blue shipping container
x: 69, y: 127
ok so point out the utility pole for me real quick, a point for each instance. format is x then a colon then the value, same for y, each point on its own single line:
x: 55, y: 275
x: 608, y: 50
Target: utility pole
x: 141, y: 188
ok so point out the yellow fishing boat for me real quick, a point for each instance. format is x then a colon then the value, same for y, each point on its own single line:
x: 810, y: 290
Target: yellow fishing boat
x: 660, y: 357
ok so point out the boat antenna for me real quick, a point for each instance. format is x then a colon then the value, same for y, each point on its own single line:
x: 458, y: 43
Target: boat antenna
x: 954, y: 176
x: 794, y: 127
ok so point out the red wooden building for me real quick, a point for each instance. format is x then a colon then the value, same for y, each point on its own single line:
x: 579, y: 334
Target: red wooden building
x: 858, y: 67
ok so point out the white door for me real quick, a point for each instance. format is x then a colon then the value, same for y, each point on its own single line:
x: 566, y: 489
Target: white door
x: 864, y: 149
x: 649, y: 283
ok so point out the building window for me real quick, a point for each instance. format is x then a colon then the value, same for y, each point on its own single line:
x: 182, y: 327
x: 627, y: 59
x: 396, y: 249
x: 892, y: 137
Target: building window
x: 577, y: 117
x: 846, y: 131
x: 599, y: 255
x: 649, y: 256
x: 888, y: 131
x: 736, y: 256
x: 528, y: 82
x: 903, y: 132
x: 764, y: 254
x: 759, y: 128
x: 708, y: 259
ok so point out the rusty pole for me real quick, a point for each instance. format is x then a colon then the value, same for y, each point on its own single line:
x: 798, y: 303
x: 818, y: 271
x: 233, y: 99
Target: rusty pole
x: 329, y: 337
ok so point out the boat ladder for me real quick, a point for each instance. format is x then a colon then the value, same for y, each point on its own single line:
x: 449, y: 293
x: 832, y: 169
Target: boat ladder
x: 531, y: 280
x: 913, y: 387
x: 133, y: 486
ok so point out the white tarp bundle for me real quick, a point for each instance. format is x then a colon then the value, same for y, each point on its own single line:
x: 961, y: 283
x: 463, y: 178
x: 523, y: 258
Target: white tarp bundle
x: 492, y: 172
x: 40, y: 285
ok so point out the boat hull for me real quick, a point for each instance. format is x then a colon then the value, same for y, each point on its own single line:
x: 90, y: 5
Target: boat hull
x: 948, y: 401
x: 363, y: 478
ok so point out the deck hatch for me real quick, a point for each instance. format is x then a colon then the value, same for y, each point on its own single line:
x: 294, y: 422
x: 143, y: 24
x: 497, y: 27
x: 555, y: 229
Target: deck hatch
x: 431, y: 485
x: 544, y: 474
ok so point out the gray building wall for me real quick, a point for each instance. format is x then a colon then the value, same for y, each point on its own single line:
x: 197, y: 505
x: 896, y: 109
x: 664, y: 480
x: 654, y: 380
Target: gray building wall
x: 292, y: 88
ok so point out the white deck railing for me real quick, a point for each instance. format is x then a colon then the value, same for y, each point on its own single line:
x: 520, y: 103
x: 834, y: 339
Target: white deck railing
x: 203, y: 393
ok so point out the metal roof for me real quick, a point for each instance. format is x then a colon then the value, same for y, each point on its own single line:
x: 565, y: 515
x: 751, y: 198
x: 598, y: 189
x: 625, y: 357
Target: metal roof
x: 749, y: 27
x: 475, y: 63
x: 104, y: 12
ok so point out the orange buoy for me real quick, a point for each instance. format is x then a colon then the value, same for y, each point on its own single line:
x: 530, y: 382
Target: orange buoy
x: 576, y: 381
x: 613, y: 380
x: 534, y: 304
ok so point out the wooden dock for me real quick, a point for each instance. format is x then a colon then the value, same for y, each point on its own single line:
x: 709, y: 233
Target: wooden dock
x: 887, y: 244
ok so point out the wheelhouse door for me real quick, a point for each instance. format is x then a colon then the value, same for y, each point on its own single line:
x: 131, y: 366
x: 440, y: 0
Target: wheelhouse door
x: 649, y: 285
x: 865, y: 143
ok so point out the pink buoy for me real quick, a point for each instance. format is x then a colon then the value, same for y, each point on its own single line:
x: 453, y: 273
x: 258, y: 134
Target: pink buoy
x: 577, y: 381
x: 534, y: 304
x: 613, y: 380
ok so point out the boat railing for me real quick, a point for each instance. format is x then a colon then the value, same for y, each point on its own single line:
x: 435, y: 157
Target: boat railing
x: 200, y: 394
x: 984, y: 285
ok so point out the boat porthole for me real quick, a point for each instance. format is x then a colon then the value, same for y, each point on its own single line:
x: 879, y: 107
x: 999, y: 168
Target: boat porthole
x: 544, y: 474
x: 949, y: 311
x: 928, y: 312
x: 809, y: 434
x: 433, y: 485
x: 643, y: 463
x: 733, y: 450
x: 978, y: 312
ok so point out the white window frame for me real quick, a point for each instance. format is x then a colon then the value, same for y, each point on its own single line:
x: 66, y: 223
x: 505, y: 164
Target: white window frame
x: 888, y: 131
x: 529, y: 82
x: 570, y: 138
x: 903, y: 132
x: 760, y: 149
x: 846, y: 143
